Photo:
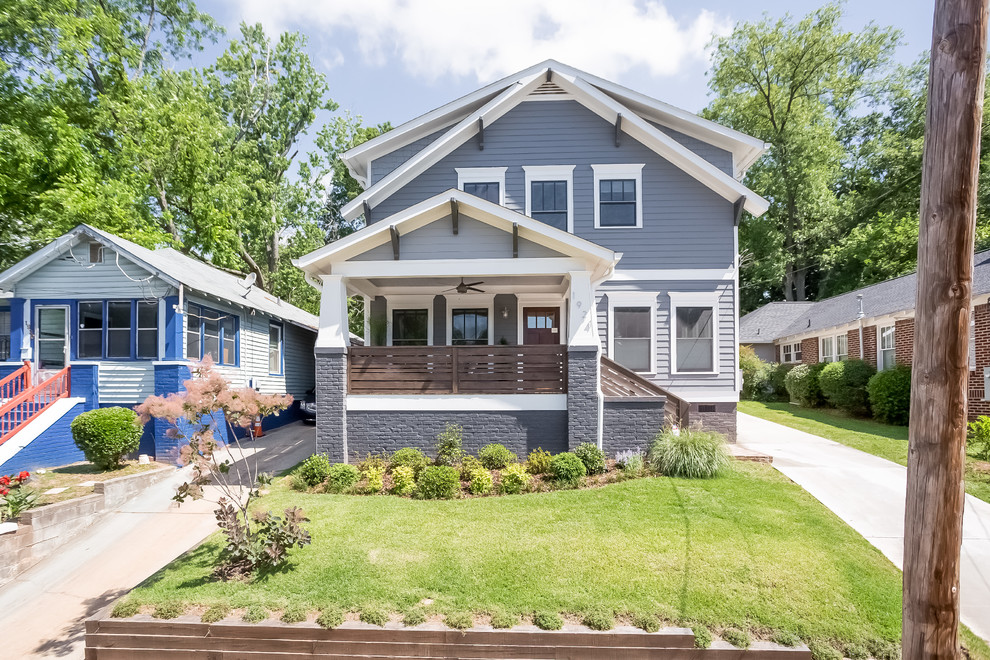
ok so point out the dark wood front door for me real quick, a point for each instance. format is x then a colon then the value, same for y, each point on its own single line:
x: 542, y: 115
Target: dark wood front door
x: 541, y: 325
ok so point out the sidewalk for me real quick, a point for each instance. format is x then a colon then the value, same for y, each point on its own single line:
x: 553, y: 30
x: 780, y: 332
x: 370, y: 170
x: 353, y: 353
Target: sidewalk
x: 868, y: 493
x: 50, y: 602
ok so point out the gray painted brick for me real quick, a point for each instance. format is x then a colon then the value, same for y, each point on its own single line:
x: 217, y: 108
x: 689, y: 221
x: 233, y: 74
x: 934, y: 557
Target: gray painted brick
x: 631, y: 423
x: 582, y: 397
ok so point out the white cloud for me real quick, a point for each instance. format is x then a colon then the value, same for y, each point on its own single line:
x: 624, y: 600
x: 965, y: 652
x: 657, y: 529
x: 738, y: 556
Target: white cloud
x: 435, y: 38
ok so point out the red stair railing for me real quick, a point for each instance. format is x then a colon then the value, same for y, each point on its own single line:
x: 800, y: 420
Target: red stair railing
x: 13, y: 384
x: 18, y: 412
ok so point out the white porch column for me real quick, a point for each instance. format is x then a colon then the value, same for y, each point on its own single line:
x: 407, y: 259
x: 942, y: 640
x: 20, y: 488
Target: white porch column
x: 584, y: 395
x: 582, y: 326
x: 333, y: 331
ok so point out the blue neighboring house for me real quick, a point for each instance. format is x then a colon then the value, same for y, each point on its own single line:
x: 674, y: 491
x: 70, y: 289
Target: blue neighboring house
x: 106, y: 322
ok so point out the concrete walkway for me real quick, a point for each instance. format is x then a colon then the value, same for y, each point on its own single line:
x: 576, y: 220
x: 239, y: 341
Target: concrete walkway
x: 49, y: 603
x: 868, y: 493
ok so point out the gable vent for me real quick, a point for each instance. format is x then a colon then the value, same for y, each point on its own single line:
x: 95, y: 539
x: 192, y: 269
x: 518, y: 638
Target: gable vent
x: 547, y: 88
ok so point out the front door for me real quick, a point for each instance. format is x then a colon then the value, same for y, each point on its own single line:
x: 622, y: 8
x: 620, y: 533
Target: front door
x: 51, y: 337
x: 541, y: 325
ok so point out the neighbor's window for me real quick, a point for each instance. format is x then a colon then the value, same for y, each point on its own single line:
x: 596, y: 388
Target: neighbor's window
x: 119, y: 329
x: 469, y: 327
x: 410, y: 327
x: 617, y: 203
x: 791, y: 353
x: 4, y: 334
x: 842, y: 347
x: 827, y: 352
x: 147, y: 331
x: 695, y: 339
x: 90, y: 336
x: 274, y: 348
x: 633, y: 337
x: 885, y: 346
x: 211, y: 332
x: 489, y: 190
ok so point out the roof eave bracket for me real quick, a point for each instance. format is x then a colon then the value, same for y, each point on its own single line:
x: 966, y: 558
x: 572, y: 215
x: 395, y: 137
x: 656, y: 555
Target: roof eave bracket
x: 618, y: 128
x: 737, y: 210
x: 481, y: 133
x: 454, y: 212
x: 395, y: 242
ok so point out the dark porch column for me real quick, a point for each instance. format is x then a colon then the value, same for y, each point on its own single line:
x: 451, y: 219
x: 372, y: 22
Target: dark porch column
x: 331, y: 408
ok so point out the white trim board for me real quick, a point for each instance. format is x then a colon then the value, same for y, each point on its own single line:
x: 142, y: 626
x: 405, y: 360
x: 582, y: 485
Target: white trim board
x: 634, y: 299
x: 612, y: 172
x: 37, y: 426
x: 483, y: 175
x: 668, y: 274
x: 537, y: 173
x: 693, y: 299
x: 456, y: 402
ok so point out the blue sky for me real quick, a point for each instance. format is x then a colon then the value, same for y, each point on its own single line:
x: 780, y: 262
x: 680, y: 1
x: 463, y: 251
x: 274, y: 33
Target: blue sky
x: 395, y: 59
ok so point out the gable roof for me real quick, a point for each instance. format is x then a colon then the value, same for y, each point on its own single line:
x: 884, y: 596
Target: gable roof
x: 492, y: 102
x: 438, y: 207
x: 173, y: 267
x: 882, y: 299
x: 765, y: 324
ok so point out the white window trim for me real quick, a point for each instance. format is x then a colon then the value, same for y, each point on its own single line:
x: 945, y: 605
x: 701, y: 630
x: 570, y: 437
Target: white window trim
x: 483, y: 175
x: 470, y: 301
x: 634, y: 299
x: 609, y: 172
x: 524, y: 300
x: 835, y: 346
x: 694, y: 299
x: 551, y: 173
x: 794, y: 345
x: 880, y: 329
x: 410, y: 302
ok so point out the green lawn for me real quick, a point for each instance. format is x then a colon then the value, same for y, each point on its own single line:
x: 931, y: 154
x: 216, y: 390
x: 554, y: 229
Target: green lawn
x: 748, y: 549
x: 883, y: 440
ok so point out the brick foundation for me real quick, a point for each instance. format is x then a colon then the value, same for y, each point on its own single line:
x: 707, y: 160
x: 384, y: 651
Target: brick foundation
x: 721, y: 419
x: 630, y: 423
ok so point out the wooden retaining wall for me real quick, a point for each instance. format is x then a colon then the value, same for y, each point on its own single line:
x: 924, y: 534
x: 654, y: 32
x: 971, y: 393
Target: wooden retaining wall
x: 186, y: 638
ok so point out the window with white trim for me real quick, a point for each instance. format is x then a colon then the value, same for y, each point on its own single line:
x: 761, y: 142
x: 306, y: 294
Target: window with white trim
x: 550, y: 195
x: 618, y: 196
x: 485, y: 182
x: 694, y: 333
x: 790, y: 353
x: 842, y: 347
x: 886, y: 353
x: 147, y: 330
x: 834, y: 348
x: 632, y: 322
x: 274, y: 348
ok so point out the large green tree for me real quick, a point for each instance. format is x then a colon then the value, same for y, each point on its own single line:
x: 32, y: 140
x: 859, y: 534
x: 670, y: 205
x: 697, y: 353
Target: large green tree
x: 794, y: 84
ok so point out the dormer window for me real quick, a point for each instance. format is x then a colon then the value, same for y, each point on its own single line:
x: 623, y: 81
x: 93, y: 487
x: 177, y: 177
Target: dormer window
x: 550, y: 195
x: 485, y: 182
x: 618, y: 196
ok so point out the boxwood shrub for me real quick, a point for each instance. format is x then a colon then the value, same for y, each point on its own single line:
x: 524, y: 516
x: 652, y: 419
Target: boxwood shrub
x: 890, y: 395
x: 106, y: 435
x: 514, y: 479
x: 567, y: 469
x: 691, y: 453
x: 409, y: 457
x: 314, y: 469
x: 495, y: 456
x: 802, y: 384
x: 342, y: 476
x: 438, y: 482
x: 592, y: 457
x: 844, y: 383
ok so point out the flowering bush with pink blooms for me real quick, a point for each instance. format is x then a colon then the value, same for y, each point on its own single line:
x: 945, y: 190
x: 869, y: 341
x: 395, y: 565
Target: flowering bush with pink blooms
x: 198, y: 416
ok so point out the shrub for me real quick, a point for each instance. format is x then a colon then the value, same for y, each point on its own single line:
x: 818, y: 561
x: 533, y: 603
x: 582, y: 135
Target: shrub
x: 495, y: 456
x: 890, y: 395
x: 331, y: 617
x: 106, y: 435
x: 459, y: 620
x: 124, y: 609
x: 778, y: 387
x: 702, y: 637
x: 599, y: 620
x: 374, y: 461
x: 481, y: 482
x: 785, y: 638
x: 403, y: 480
x: 215, y: 613
x: 374, y: 616
x: 254, y: 614
x: 266, y: 547
x: 823, y: 651
x: 449, y: 443
x: 592, y: 457
x: 538, y: 461
x: 567, y: 469
x: 738, y: 638
x: 548, y: 620
x: 856, y: 652
x: 884, y: 650
x: 169, y: 610
x: 802, y: 384
x: 502, y: 620
x: 341, y: 477
x: 756, y: 375
x: 438, y: 482
x: 293, y: 614
x: 409, y: 457
x: 844, y: 385
x: 314, y: 470
x: 646, y: 622
x: 978, y: 438
x: 515, y: 478
x: 414, y: 616
x: 468, y: 465
x: 16, y: 500
x: 692, y: 453
x: 376, y: 478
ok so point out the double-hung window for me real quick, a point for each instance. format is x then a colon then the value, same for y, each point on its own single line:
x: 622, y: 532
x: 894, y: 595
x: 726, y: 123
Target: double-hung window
x: 117, y: 329
x: 485, y: 182
x: 4, y: 334
x: 90, y: 336
x: 694, y: 330
x: 211, y: 332
x: 632, y: 322
x: 834, y: 348
x: 550, y: 195
x: 790, y: 353
x: 147, y: 330
x: 886, y: 354
x: 275, y: 348
x: 618, y: 196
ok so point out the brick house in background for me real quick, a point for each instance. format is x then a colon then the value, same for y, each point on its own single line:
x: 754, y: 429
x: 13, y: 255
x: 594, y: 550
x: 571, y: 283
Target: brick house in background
x: 875, y: 324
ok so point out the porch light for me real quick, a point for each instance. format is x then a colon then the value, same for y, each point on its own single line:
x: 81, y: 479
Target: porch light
x: 505, y: 312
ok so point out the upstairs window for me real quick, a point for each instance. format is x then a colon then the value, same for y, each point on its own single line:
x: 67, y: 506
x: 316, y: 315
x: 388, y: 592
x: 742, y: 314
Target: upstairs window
x: 488, y: 183
x: 618, y: 196
x: 550, y: 195
x: 488, y: 191
x: 211, y: 332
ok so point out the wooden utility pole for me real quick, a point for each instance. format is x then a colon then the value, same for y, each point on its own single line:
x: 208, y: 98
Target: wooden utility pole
x: 934, y: 507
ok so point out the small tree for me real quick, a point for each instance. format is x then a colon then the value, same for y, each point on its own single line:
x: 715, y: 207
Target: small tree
x: 207, y: 405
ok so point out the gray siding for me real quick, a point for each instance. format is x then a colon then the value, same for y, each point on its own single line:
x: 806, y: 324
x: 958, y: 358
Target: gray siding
x: 686, y: 225
x: 381, y: 167
x: 474, y: 240
x: 300, y: 370
x: 65, y: 277
x: 506, y: 329
x: 720, y: 158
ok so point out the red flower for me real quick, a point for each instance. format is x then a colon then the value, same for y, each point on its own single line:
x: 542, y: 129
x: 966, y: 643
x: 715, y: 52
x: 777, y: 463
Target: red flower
x: 3, y: 492
x: 24, y: 475
x: 4, y: 480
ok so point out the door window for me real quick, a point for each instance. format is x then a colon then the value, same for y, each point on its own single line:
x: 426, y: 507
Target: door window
x: 541, y: 325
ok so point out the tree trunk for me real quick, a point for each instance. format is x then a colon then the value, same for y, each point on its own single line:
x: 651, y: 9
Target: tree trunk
x: 934, y: 506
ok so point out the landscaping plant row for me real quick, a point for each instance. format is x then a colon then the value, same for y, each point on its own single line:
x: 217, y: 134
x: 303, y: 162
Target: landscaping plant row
x: 497, y: 471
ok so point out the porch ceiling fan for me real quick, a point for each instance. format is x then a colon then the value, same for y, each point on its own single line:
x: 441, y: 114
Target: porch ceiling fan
x: 464, y: 288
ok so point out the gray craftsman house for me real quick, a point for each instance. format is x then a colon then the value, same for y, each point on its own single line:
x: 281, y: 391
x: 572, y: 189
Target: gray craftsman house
x: 547, y: 261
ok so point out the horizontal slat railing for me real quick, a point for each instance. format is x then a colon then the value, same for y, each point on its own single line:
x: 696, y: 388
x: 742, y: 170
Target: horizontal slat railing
x: 617, y: 381
x: 16, y: 413
x: 457, y: 370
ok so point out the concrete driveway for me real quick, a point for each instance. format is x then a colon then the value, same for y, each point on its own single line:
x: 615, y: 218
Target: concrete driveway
x: 124, y: 547
x: 868, y: 493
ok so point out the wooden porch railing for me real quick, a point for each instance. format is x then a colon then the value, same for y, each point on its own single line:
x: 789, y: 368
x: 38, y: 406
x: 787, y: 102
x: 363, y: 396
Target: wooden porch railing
x: 618, y: 381
x: 16, y: 413
x: 15, y: 383
x: 457, y: 369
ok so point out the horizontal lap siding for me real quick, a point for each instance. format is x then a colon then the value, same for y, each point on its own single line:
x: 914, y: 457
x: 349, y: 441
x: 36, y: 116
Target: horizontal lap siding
x: 300, y: 367
x: 126, y: 382
x: 66, y: 278
x: 686, y: 225
x: 381, y: 167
